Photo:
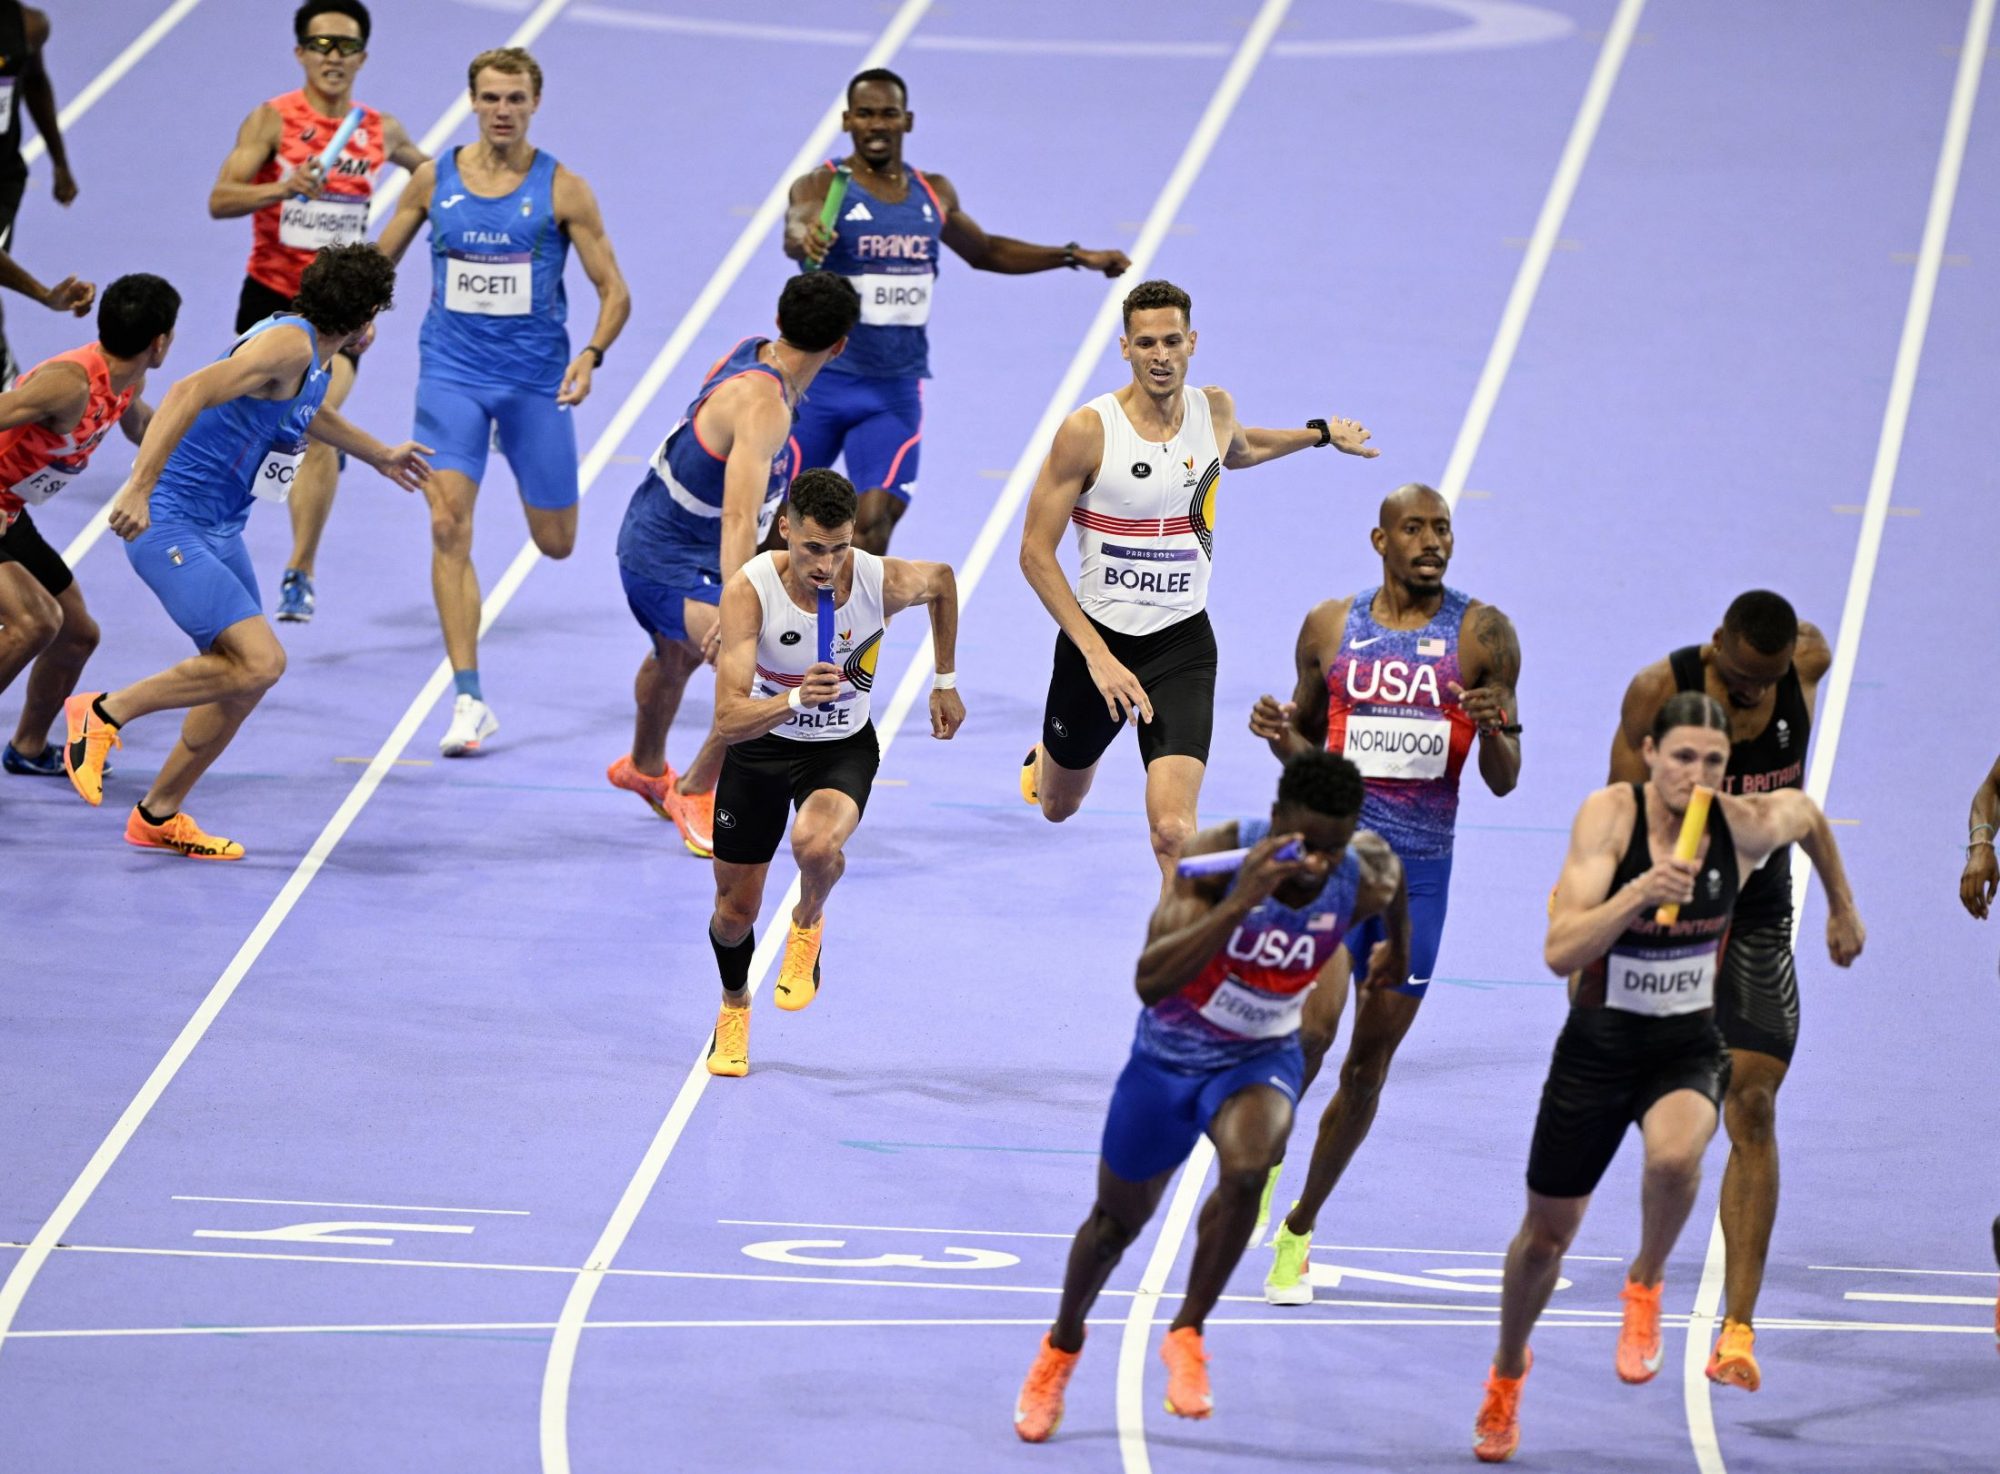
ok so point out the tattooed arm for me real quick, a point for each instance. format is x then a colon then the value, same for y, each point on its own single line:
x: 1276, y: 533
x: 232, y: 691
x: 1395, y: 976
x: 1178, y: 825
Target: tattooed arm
x: 1490, y: 654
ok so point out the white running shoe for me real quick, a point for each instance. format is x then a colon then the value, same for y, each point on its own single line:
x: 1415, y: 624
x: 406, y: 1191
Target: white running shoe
x: 472, y: 722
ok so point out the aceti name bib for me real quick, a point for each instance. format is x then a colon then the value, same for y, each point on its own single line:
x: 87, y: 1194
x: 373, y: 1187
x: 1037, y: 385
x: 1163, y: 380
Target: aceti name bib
x: 489, y: 285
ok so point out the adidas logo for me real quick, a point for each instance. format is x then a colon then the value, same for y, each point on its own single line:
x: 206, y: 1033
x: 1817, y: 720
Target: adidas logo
x: 859, y: 212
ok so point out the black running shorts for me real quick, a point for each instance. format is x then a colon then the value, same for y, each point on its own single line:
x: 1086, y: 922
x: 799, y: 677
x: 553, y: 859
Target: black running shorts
x: 1610, y: 1068
x: 1176, y: 668
x: 1757, y: 988
x: 765, y: 779
x: 24, y: 544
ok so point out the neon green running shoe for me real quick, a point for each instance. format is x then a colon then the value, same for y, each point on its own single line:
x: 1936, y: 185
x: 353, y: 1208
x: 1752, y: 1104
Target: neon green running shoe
x: 1264, y: 1203
x: 1290, y: 1282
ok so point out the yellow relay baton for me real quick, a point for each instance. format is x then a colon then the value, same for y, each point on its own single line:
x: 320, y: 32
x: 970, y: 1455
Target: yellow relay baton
x: 1693, y: 822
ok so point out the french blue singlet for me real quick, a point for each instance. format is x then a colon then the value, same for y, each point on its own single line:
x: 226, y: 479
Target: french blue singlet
x: 679, y: 505
x: 497, y: 304
x: 890, y: 253
x: 240, y: 450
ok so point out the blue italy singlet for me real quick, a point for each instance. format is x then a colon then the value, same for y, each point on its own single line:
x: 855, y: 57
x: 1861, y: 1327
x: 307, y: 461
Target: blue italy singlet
x: 497, y: 305
x: 240, y: 450
x: 1249, y: 997
x: 890, y: 253
x: 1391, y: 712
x: 679, y: 504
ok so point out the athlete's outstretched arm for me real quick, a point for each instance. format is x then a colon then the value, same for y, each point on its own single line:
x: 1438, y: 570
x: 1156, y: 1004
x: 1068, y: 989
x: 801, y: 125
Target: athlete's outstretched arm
x: 805, y: 238
x: 1384, y: 892
x: 1006, y: 255
x: 1249, y: 445
x: 576, y: 210
x: 71, y: 294
x: 904, y: 584
x: 1299, y: 725
x: 234, y: 194
x: 1982, y: 874
x: 1072, y: 462
x: 398, y: 145
x: 739, y: 716
x: 56, y: 395
x: 1583, y: 920
x: 413, y: 207
x: 39, y: 97
x: 1493, y: 702
x: 403, y: 464
x: 279, y: 355
x: 1643, y: 699
x: 1762, y: 822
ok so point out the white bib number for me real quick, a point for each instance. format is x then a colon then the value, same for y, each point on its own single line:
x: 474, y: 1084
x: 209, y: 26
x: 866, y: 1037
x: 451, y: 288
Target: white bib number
x: 1254, y: 1015
x: 898, y: 301
x: 274, y: 476
x: 1682, y: 982
x: 1157, y: 576
x: 1397, y: 747
x: 307, y: 225
x: 489, y: 285
x: 44, y: 484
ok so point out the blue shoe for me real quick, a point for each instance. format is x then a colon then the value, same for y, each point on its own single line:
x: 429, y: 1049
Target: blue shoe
x: 295, y: 598
x: 46, y: 764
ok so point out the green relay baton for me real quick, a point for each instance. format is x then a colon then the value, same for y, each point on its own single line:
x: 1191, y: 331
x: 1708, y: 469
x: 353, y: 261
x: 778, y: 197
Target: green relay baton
x: 830, y: 212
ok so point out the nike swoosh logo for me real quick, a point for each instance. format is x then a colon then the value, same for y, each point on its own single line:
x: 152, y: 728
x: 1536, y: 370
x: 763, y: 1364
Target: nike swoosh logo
x: 1653, y: 1361
x: 1363, y: 644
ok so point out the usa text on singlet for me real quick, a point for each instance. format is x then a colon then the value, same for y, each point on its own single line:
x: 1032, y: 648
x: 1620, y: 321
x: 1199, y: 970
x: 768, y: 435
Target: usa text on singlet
x: 1389, y: 711
x: 1145, y: 527
x: 1667, y: 970
x: 788, y: 642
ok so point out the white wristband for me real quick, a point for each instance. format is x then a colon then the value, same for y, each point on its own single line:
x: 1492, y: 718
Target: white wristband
x: 793, y: 700
x: 944, y: 680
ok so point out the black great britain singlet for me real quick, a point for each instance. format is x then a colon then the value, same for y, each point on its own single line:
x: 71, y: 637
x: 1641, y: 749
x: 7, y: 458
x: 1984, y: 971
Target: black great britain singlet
x: 1660, y: 970
x: 1775, y: 758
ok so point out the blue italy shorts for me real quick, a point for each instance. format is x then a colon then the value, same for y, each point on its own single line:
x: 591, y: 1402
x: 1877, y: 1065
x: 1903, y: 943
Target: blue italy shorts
x: 202, y: 577
x: 535, y: 434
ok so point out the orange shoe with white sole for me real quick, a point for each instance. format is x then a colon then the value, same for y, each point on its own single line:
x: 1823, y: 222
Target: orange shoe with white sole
x: 181, y: 835
x: 1640, y: 1349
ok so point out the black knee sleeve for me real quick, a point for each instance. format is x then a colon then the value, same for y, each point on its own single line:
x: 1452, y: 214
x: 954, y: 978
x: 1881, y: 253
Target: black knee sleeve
x: 732, y: 959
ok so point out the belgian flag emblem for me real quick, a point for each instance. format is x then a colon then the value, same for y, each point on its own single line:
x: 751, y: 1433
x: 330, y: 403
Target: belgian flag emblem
x: 1201, y: 507
x: 859, y: 668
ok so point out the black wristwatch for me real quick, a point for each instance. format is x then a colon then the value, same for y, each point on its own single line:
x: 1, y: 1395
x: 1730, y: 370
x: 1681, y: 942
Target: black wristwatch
x: 1070, y: 258
x: 595, y: 352
x: 1325, y: 435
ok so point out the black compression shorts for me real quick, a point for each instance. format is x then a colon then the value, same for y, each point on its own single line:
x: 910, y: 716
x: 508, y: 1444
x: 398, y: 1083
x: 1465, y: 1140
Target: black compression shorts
x: 1757, y: 988
x: 766, y: 778
x: 25, y: 545
x: 1176, y: 668
x: 257, y: 302
x: 1609, y: 1069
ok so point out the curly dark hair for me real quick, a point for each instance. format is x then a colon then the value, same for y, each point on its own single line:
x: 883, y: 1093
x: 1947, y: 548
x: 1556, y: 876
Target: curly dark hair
x: 825, y: 496
x: 344, y: 287
x: 1765, y: 619
x: 1150, y: 294
x: 817, y: 309
x: 134, y: 311
x: 1324, y: 782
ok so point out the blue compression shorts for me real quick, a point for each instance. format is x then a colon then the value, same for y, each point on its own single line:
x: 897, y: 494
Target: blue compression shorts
x: 876, y: 426
x: 203, y: 578
x: 535, y: 434
x: 1159, y: 1112
x: 657, y: 601
x: 1430, y: 891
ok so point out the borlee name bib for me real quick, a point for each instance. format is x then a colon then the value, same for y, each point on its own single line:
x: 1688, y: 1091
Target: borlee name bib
x: 1662, y: 984
x: 1254, y: 1015
x: 489, y: 284
x: 44, y: 484
x: 1397, y: 747
x: 1160, y: 576
x: 307, y: 225
x: 890, y: 300
x: 273, y: 482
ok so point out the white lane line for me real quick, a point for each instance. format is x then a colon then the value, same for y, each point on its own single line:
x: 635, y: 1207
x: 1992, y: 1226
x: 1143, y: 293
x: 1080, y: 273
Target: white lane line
x: 1460, y: 1253
x: 373, y: 1207
x: 1982, y: 1274
x: 1137, y: 1334
x: 1513, y: 320
x: 1832, y: 714
x: 1904, y: 1299
x: 561, y: 1364
x: 387, y: 191
x: 985, y: 1233
x: 1541, y: 245
x: 562, y: 1351
x: 15, y: 1287
x: 105, y: 80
